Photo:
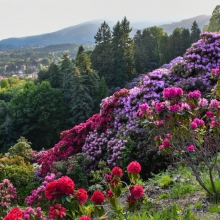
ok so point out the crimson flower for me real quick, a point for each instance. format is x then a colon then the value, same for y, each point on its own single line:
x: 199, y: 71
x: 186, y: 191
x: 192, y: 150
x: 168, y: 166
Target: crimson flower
x: 57, y: 211
x: 61, y: 186
x: 98, y: 197
x: 14, y: 214
x: 85, y: 218
x: 131, y: 200
x: 117, y: 171
x: 137, y: 191
x: 109, y: 194
x: 81, y: 195
x: 134, y: 167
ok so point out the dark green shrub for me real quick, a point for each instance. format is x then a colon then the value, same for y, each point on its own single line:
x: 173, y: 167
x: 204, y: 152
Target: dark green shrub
x: 75, y: 168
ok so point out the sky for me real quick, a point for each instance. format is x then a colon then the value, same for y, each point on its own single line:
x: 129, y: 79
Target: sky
x: 20, y: 18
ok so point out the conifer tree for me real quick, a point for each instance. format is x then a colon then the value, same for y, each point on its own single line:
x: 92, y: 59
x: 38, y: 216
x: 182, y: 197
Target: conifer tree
x: 81, y: 103
x: 102, y: 54
x: 122, y: 49
x: 195, y: 32
x: 55, y: 76
x: 102, y: 90
x: 66, y: 69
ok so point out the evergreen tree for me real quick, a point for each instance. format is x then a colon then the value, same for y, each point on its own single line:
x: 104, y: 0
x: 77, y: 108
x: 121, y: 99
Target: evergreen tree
x: 122, y: 50
x: 138, y: 53
x: 195, y: 32
x: 83, y: 62
x: 80, y: 50
x: 186, y: 40
x: 102, y: 54
x: 102, y: 90
x: 81, y: 103
x: 66, y: 69
x: 214, y: 23
x: 56, y: 76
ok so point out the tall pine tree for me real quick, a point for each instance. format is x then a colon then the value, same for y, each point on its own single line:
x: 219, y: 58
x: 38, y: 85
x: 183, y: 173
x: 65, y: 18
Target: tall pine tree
x: 102, y: 54
x: 195, y: 32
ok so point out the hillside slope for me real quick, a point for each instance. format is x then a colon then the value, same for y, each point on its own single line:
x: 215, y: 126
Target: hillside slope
x: 114, y: 135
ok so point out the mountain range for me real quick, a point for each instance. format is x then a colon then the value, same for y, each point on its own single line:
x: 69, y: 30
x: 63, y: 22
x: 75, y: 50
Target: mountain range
x: 84, y: 33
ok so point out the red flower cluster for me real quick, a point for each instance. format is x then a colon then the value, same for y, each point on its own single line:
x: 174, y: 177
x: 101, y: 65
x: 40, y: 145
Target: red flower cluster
x: 117, y: 171
x: 131, y: 200
x: 109, y: 194
x: 137, y: 191
x: 63, y: 185
x: 85, y: 218
x: 81, y: 195
x: 57, y: 211
x: 14, y: 214
x: 98, y: 197
x: 134, y: 167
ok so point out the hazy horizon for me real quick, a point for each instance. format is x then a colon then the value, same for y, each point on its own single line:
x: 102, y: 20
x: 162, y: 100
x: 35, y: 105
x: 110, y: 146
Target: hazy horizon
x: 20, y: 18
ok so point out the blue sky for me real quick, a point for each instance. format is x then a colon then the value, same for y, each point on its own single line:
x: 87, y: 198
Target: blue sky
x: 30, y: 17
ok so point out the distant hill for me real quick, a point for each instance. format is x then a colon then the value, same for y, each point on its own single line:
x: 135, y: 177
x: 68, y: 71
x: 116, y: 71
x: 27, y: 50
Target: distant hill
x: 187, y: 23
x: 84, y: 33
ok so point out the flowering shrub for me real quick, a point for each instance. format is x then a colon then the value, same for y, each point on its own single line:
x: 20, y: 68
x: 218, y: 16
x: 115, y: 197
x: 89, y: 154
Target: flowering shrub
x: 62, y: 186
x: 13, y: 168
x: 194, y: 131
x: 8, y: 195
x: 15, y: 214
x: 98, y: 197
x: 57, y: 211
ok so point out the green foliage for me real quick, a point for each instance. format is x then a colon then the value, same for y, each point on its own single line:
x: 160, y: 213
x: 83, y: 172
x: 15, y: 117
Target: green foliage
x: 214, y: 23
x: 162, y: 179
x: 22, y: 148
x: 4, y: 84
x: 38, y: 113
x: 163, y: 196
x: 172, y: 213
x: 97, y: 177
x: 81, y: 103
x: 75, y: 168
x: 102, y: 90
x: 214, y: 208
x: 195, y: 32
x: 181, y: 188
x: 19, y: 173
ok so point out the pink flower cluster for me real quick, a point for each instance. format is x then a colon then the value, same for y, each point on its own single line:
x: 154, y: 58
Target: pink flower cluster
x: 216, y: 71
x: 143, y: 109
x: 195, y: 94
x: 30, y: 213
x: 7, y: 193
x: 14, y: 214
x: 57, y: 211
x: 172, y: 92
x: 197, y: 123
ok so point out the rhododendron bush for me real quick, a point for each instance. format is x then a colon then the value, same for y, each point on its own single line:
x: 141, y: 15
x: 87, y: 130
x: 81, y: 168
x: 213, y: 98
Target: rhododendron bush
x: 187, y: 128
x: 115, y: 134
